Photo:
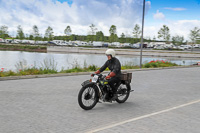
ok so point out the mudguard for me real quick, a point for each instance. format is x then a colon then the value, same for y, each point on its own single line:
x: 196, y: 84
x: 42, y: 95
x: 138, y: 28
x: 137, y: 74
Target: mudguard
x: 87, y: 82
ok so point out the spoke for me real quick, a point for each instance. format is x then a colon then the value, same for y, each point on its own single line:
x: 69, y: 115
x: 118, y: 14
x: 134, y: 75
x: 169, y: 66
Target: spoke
x: 88, y: 91
x: 121, y: 96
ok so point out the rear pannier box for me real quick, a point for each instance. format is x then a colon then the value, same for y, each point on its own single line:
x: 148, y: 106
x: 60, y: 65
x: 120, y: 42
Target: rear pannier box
x: 126, y: 77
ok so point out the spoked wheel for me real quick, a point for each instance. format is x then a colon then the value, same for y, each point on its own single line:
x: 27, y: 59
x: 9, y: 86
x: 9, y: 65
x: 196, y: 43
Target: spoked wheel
x: 122, y: 93
x: 87, y: 97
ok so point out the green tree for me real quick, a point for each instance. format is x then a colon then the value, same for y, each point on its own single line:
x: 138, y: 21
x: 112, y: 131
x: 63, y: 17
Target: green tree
x: 154, y: 39
x: 36, y: 33
x: 123, y: 38
x: 164, y: 33
x: 31, y: 37
x: 68, y: 30
x: 49, y: 33
x: 91, y: 36
x: 73, y: 37
x: 136, y: 31
x: 113, y: 38
x: 177, y: 40
x: 113, y: 29
x: 4, y: 31
x: 147, y: 39
x: 93, y: 29
x: 99, y: 36
x: 194, y: 34
x: 113, y: 33
x: 198, y: 40
x: 20, y: 33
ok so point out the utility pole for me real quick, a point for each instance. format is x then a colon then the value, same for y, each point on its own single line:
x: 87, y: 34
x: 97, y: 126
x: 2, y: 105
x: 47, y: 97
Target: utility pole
x: 141, y: 45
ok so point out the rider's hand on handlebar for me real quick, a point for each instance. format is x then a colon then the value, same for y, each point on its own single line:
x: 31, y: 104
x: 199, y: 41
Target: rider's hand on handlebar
x: 97, y: 72
x: 107, y: 77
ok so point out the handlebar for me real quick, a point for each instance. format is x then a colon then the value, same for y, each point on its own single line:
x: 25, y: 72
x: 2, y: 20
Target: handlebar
x: 100, y: 75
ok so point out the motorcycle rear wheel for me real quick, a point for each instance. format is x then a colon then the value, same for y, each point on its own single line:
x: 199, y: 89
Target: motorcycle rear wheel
x: 122, y: 93
x: 87, y: 97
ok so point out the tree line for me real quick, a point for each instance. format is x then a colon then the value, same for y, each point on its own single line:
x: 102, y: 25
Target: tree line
x: 95, y: 35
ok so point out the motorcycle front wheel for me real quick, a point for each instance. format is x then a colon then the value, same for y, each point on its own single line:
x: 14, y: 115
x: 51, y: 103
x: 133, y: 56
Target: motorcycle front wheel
x: 87, y: 97
x: 122, y: 93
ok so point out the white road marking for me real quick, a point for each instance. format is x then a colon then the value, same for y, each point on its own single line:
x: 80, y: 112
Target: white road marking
x: 142, y: 117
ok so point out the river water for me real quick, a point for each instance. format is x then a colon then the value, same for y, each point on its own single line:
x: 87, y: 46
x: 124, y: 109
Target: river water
x: 10, y: 60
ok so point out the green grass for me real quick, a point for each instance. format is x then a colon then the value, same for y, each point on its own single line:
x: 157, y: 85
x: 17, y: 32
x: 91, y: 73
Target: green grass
x: 129, y: 65
x: 49, y: 67
x: 22, y: 47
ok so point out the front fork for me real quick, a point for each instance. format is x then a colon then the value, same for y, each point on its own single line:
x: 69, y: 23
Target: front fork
x: 99, y: 92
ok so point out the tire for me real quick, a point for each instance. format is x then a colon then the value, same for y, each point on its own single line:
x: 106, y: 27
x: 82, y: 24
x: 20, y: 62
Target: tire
x: 87, y: 97
x: 123, y: 93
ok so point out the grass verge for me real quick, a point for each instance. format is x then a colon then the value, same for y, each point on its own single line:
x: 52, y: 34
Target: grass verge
x: 16, y: 47
x: 49, y: 67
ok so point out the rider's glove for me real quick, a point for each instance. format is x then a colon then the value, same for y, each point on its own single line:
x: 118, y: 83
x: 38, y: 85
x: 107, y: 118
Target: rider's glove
x: 107, y: 77
x: 97, y: 72
x: 112, y: 74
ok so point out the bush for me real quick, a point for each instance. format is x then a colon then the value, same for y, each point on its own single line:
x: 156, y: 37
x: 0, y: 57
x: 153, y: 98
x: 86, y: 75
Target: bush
x: 158, y: 63
x: 92, y: 68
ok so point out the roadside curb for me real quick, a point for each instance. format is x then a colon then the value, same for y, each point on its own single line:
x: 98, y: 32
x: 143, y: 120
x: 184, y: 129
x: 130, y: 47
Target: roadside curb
x: 85, y: 73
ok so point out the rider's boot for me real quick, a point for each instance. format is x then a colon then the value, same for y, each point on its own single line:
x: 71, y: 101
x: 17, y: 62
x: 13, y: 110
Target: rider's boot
x: 105, y: 97
x: 114, y: 97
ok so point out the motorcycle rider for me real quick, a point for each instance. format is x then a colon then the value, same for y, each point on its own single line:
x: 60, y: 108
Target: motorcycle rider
x: 114, y: 66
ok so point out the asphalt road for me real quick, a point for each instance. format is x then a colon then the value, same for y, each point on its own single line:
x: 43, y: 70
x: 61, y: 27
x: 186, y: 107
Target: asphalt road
x: 164, y: 101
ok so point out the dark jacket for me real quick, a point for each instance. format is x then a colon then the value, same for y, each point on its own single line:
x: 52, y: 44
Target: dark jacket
x: 113, y: 65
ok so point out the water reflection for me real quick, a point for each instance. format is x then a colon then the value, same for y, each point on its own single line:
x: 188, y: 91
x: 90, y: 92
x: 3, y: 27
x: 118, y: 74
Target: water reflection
x: 8, y: 59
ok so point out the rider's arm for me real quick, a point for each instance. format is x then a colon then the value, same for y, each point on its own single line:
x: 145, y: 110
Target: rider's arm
x: 101, y: 69
x: 104, y: 67
x: 117, y: 67
x: 112, y: 74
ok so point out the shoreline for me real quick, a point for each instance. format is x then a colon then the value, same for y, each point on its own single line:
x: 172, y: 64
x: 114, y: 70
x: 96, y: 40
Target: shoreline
x: 25, y: 50
x: 28, y: 48
x: 134, y: 52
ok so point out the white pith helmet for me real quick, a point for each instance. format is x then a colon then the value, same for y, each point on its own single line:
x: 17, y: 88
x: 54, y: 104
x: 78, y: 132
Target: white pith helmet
x: 110, y: 52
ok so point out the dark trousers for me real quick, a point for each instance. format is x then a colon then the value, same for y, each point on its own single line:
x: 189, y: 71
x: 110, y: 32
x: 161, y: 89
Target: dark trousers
x: 112, y: 82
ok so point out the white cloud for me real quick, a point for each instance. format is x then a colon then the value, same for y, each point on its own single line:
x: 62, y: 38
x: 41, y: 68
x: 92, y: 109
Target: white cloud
x: 79, y: 15
x: 102, y: 13
x: 180, y: 27
x: 183, y: 27
x: 159, y: 15
x: 175, y: 9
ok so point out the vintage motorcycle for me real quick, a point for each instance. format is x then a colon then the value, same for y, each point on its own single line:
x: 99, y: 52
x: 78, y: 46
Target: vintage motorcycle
x: 97, y: 89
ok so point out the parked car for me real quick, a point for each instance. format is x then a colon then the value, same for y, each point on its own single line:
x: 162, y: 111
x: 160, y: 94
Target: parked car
x: 183, y: 47
x: 196, y: 45
x: 188, y: 46
x: 159, y: 47
x: 136, y: 45
x: 97, y: 44
x: 2, y: 40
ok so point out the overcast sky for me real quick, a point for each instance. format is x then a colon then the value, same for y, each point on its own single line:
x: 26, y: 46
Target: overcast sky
x: 179, y: 15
